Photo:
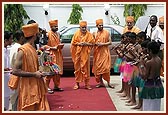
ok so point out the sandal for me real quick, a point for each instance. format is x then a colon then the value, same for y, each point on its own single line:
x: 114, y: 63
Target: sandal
x: 99, y: 85
x: 76, y: 87
x: 88, y: 87
x: 50, y: 91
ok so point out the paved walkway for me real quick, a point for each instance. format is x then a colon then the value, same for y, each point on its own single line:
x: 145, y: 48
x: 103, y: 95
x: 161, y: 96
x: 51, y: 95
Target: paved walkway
x: 120, y: 104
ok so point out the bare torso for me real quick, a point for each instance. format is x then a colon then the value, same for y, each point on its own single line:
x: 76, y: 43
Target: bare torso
x: 153, y: 67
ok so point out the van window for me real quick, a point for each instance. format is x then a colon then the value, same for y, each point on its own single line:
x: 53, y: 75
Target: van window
x: 110, y: 31
x: 116, y: 36
x: 66, y: 37
x: 92, y: 29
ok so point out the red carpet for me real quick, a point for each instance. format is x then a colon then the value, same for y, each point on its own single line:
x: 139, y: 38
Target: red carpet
x: 96, y: 99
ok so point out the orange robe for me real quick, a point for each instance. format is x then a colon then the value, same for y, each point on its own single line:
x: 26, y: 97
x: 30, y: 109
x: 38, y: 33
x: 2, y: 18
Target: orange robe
x: 32, y: 90
x: 102, y: 57
x: 53, y: 40
x: 134, y: 29
x: 81, y: 56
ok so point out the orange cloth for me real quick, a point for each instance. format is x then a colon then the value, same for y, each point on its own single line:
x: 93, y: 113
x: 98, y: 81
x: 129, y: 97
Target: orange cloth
x: 53, y: 40
x: 32, y: 90
x: 129, y: 19
x: 30, y: 29
x: 83, y: 23
x: 13, y: 82
x: 162, y: 68
x: 102, y: 57
x: 99, y: 21
x: 134, y: 29
x: 53, y: 23
x: 161, y: 20
x: 81, y: 56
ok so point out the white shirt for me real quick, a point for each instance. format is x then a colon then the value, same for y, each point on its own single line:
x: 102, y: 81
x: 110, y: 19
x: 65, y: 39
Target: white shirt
x: 13, y: 53
x: 6, y: 73
x: 157, y: 35
x: 6, y: 57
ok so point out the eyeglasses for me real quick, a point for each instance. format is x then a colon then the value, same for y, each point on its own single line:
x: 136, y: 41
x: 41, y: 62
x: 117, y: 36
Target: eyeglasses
x: 100, y: 25
x: 83, y: 27
x: 129, y: 22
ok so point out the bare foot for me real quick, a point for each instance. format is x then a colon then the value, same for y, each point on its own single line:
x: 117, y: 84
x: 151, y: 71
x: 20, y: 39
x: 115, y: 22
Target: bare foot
x: 131, y: 104
x: 111, y: 86
x: 137, y: 107
x: 120, y: 91
x: 123, y: 95
x: 126, y: 98
x: 128, y: 101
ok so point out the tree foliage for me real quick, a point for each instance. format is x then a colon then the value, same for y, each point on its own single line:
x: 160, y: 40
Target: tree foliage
x: 76, y: 14
x: 14, y: 15
x: 115, y: 20
x: 135, y: 10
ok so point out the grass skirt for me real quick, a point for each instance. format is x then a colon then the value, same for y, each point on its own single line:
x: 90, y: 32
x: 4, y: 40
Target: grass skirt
x: 128, y: 72
x: 153, y: 89
x: 139, y: 82
x: 117, y: 65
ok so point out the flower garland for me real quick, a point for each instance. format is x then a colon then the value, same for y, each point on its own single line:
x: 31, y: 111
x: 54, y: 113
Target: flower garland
x: 45, y: 60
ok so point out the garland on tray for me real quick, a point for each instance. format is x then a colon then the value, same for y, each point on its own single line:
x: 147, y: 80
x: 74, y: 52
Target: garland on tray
x: 45, y: 62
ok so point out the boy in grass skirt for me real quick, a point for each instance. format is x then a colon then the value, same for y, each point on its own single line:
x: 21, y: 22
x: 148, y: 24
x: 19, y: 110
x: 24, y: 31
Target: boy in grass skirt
x: 153, y: 90
x: 121, y: 61
x: 130, y: 69
x: 118, y: 48
x: 138, y: 81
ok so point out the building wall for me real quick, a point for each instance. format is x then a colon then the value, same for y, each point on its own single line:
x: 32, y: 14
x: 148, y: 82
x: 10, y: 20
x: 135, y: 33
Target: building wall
x: 91, y: 12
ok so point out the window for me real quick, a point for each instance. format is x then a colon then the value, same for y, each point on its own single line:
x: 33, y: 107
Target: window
x: 92, y: 29
x: 116, y: 36
x: 66, y: 37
